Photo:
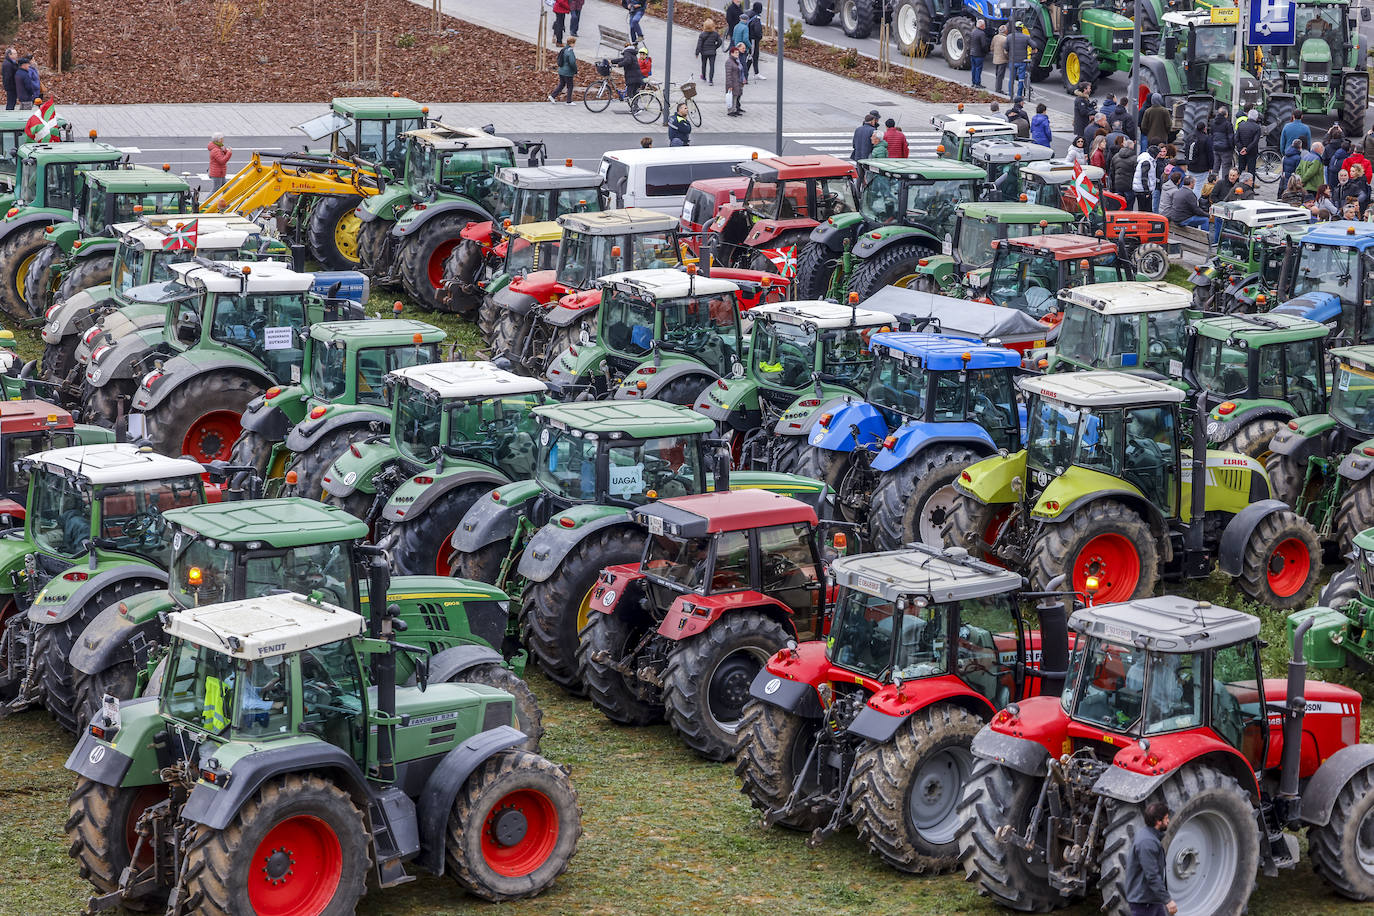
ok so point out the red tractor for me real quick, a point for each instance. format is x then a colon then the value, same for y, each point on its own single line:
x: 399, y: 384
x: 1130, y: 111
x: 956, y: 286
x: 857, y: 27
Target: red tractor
x: 727, y: 579
x: 703, y: 202
x: 872, y: 726
x: 1166, y: 701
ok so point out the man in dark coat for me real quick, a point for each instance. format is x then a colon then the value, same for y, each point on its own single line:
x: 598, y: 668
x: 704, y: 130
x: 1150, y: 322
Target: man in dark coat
x: 978, y: 43
x: 1147, y: 888
x: 1083, y: 109
x: 7, y: 70
x: 863, y: 137
x: 1018, y: 118
x: 1248, y: 136
x: 1223, y: 140
x: 1123, y: 168
x: 1200, y: 151
x: 1156, y: 122
x: 629, y: 65
x: 1018, y: 53
x: 733, y: 13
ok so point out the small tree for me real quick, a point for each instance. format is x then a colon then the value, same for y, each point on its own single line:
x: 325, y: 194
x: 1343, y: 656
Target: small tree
x: 60, y: 34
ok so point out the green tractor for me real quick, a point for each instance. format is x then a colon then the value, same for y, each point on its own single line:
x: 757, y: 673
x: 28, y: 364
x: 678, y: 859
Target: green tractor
x: 1105, y: 498
x: 1133, y: 326
x: 253, y: 547
x: 1085, y: 39
x: 1342, y: 634
x: 283, y: 768
x: 906, y: 212
x: 341, y: 393
x: 1255, y: 238
x: 1324, y: 71
x: 977, y: 227
x: 545, y: 541
x: 1194, y: 68
x: 14, y: 133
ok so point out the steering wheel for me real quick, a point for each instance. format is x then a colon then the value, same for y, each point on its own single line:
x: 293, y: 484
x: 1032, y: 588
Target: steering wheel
x: 505, y: 423
x: 779, y: 567
x: 144, y: 526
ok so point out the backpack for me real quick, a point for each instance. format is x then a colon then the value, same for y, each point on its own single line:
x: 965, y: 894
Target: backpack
x: 756, y: 28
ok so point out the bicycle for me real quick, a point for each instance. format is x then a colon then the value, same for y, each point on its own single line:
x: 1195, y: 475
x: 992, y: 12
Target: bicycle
x: 647, y: 104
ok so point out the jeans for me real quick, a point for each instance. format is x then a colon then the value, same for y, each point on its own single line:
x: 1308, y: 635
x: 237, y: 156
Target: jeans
x: 564, y: 82
x: 1022, y: 68
x: 975, y: 66
x: 558, y: 20
x: 216, y: 182
x: 756, y: 54
x: 1149, y: 909
x: 999, y: 76
x: 1196, y: 222
x: 708, y: 64
x: 574, y: 19
x: 1154, y: 200
x: 1216, y: 233
x: 1247, y: 164
x: 635, y: 31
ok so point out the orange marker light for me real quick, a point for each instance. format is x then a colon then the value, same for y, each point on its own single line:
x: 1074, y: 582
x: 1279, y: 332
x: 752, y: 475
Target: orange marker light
x: 194, y: 577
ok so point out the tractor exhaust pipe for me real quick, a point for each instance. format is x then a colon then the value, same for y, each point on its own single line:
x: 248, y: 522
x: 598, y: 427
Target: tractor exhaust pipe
x: 1054, y: 645
x: 1193, y: 539
x: 386, y: 691
x: 1289, y: 803
x: 378, y: 583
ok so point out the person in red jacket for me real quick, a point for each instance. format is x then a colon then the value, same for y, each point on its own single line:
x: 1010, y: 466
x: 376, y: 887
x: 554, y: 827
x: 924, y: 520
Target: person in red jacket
x: 561, y: 9
x: 219, y: 160
x: 896, y: 141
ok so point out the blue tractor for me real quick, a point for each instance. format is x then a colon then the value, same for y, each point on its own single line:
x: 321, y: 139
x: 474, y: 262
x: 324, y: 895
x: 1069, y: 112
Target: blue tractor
x: 934, y: 404
x: 1329, y: 277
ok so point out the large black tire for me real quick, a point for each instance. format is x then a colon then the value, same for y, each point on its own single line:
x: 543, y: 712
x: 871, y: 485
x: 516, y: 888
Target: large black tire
x: 253, y: 448
x: 84, y: 274
x: 623, y: 700
x: 787, y: 455
x: 1340, y: 848
x: 816, y: 12
x: 974, y: 525
x: 750, y: 258
x: 816, y: 264
x: 38, y: 286
x: 1151, y: 261
x: 1355, y: 90
x: 521, y: 797
x: 419, y: 545
x: 356, y: 504
x: 1252, y: 439
x: 773, y: 747
x: 915, y: 502
x: 16, y: 253
x: 1149, y: 23
x: 421, y: 264
x: 230, y: 872
x: 119, y: 680
x: 905, y: 792
x: 911, y: 25
x: 1206, y: 806
x: 856, y: 17
x: 465, y: 266
x: 995, y: 797
x: 483, y: 564
x: 1342, y: 588
x: 488, y: 314
x: 683, y: 391
x: 955, y: 38
x: 507, y: 334
x: 1355, y: 512
x: 1083, y: 62
x: 706, y: 684
x: 101, y: 836
x: 528, y: 716
x: 1106, y: 539
x: 1286, y: 476
x: 1035, y: 71
x: 58, y: 359
x: 333, y: 232
x: 195, y: 419
x: 557, y: 608
x: 108, y: 405
x: 312, y: 464
x: 1283, y: 560
x: 846, y: 478
x: 371, y: 242
x: 895, y: 265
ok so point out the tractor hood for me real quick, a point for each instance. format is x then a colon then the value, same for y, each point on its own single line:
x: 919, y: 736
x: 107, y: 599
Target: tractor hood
x: 1314, y: 51
x: 1323, y: 307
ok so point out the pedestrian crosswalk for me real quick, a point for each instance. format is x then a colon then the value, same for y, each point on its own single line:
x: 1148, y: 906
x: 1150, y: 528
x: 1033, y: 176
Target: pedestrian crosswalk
x: 840, y: 142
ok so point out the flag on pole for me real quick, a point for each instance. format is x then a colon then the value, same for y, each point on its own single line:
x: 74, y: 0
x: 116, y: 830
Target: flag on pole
x: 183, y: 235
x: 42, y: 124
x: 1083, y: 189
x: 784, y: 259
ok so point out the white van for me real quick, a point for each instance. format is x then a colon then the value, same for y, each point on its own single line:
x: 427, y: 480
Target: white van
x: 659, y: 178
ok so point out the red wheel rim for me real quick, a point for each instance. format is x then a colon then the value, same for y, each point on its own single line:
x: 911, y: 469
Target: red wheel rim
x: 991, y: 532
x: 519, y: 833
x: 1289, y: 565
x: 212, y: 435
x: 436, y: 262
x: 1113, y: 559
x: 296, y: 868
x: 443, y: 560
x: 144, y: 799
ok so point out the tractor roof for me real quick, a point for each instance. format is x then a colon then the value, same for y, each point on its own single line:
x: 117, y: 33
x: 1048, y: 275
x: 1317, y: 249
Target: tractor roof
x: 78, y: 151
x: 213, y: 230
x: 225, y: 276
x: 665, y: 283
x: 1059, y: 171
x: 939, y: 352
x: 1257, y: 213
x: 546, y: 231
x: 631, y: 419
x: 1259, y: 330
x: 27, y: 416
x: 542, y: 177
x: 676, y: 155
x: 443, y: 137
x: 1364, y: 540
x: 1341, y: 232
x: 922, y: 571
x: 263, y: 627
x: 376, y: 332
x: 931, y: 168
x: 1066, y: 247
x: 377, y: 107
x: 976, y: 124
x: 1361, y: 357
x: 733, y: 510
x: 1190, y: 17
x: 618, y: 222
x: 823, y: 314
x: 722, y: 189
x: 137, y: 179
x: 1127, y: 297
x: 112, y: 462
x: 1166, y: 624
x: 288, y: 521
x: 1100, y: 388
x: 959, y: 316
x: 791, y: 168
x: 1017, y: 212
x: 470, y: 379
x: 1005, y: 149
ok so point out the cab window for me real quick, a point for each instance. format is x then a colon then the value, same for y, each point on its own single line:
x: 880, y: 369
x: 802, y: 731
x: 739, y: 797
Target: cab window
x: 629, y: 324
x: 1238, y: 713
x: 989, y: 636
x: 60, y: 193
x: 331, y: 695
x: 1150, y: 461
x: 264, y: 326
x: 732, y: 562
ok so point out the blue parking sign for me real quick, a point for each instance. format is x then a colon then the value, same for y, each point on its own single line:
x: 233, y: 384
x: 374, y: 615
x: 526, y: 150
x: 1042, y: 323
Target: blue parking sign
x: 1272, y: 22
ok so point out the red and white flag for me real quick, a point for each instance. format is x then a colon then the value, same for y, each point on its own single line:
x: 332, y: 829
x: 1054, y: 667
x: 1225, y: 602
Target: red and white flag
x: 42, y: 124
x: 784, y: 259
x: 183, y: 235
x: 1084, y: 190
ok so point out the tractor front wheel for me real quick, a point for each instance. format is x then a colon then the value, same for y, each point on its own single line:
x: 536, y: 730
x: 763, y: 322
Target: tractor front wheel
x: 102, y: 834
x: 87, y: 272
x: 419, y: 545
x: 16, y: 254
x: 910, y: 25
x: 333, y: 231
x: 916, y: 501
x: 1342, y: 849
x: 312, y: 464
x: 623, y: 699
x: 774, y: 745
x: 119, y: 680
x: 1282, y: 561
x: 372, y: 237
x: 513, y: 827
x: 202, y: 417
x: 1342, y: 588
x: 108, y: 405
x: 1106, y: 540
x: 1355, y: 92
x: 253, y: 448
x: 856, y: 17
x: 1079, y: 64
x: 1355, y: 511
x: 975, y: 526
x: 58, y: 360
x: 1151, y: 261
x: 1287, y: 476
x: 895, y: 265
x: 816, y: 265
x: 906, y: 791
x: 356, y: 504
x: 955, y: 39
x: 816, y: 12
x: 421, y: 264
x: 529, y: 717
x: 298, y: 846
x: 1252, y: 439
x: 38, y: 280
x: 483, y: 564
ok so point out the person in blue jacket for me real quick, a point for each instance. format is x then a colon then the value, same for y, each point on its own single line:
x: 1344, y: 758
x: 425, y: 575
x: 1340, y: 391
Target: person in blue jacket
x: 1040, y: 127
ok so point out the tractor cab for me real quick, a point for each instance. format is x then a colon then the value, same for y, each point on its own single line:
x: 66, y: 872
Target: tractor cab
x: 541, y: 193
x: 1029, y: 274
x: 372, y: 129
x: 705, y: 199
x: 1132, y: 326
x: 530, y: 247
x: 27, y: 428
x: 1329, y: 277
x: 458, y: 160
x: 1051, y: 184
x: 47, y: 173
x: 960, y: 132
x: 792, y: 344
x: 921, y: 193
x: 111, y: 196
x: 1003, y: 159
x: 597, y: 244
x: 1236, y: 360
x: 148, y: 249
x: 348, y: 362
x: 1192, y: 42
x: 979, y: 227
x: 1256, y: 239
x: 14, y: 134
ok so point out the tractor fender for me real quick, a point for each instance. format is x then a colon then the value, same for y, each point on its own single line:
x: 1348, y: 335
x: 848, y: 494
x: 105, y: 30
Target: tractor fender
x: 1319, y: 795
x: 1130, y: 779
x: 512, y: 300
x: 112, y: 637
x: 444, y: 665
x: 415, y: 218
x: 271, y: 420
x: 1357, y: 465
x: 606, y: 596
x: 215, y: 808
x: 551, y: 543
x: 43, y: 612
x: 383, y: 205
x: 735, y: 399
x: 867, y: 246
x: 25, y: 220
x: 91, y: 245
x: 766, y: 230
x: 837, y: 230
x: 913, y: 437
x: 119, y: 359
x: 436, y: 801
x: 1020, y: 754
x: 1304, y: 440
x: 796, y: 697
x: 798, y: 419
x: 406, y: 503
x: 178, y: 370
x: 1131, y: 498
x: 491, y: 520
x: 887, y: 709
x: 348, y: 473
x: 307, y: 432
x: 853, y: 425
x: 97, y: 759
x: 666, y: 373
x: 575, y: 366
x: 575, y: 306
x: 1223, y: 427
x: 69, y: 311
x: 62, y: 235
x: 1231, y: 551
x: 680, y: 624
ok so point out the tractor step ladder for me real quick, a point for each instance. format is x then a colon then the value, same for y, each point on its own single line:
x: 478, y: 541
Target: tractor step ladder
x: 395, y: 835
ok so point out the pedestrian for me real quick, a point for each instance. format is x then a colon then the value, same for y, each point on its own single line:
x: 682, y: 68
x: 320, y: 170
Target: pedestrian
x: 879, y: 147
x: 1156, y: 122
x: 734, y: 85
x: 756, y: 37
x: 1292, y: 155
x: 1358, y: 161
x: 1083, y: 108
x: 680, y: 127
x: 1109, y: 107
x: 1310, y: 168
x: 733, y: 13
x: 1200, y: 159
x: 1123, y: 168
x: 1018, y: 52
x: 220, y: 154
x: 1116, y: 134
x: 567, y: 70
x: 1098, y: 125
x: 636, y: 8
x: 575, y: 17
x: 1144, y: 181
x: 1040, y: 127
x: 1367, y: 145
x: 26, y: 82
x: 739, y: 35
x: 1295, y: 130
x: 646, y: 142
x: 863, y: 136
x: 708, y: 46
x: 1295, y: 195
x: 1077, y: 153
x: 1221, y: 189
x: 1249, y: 136
x: 897, y: 147
x: 561, y: 9
x: 1162, y: 159
x: 1359, y: 180
x: 1245, y: 187
x: 1321, y: 206
x: 1334, y: 160
x: 1185, y: 208
x: 7, y: 71
x: 1016, y: 115
x: 999, y: 58
x: 1098, y: 155
x: 1147, y: 890
x: 1168, y: 190
x: 995, y: 112
x: 634, y: 77
x: 978, y: 44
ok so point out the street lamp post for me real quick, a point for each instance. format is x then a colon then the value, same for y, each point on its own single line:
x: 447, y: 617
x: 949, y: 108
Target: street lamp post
x: 668, y: 67
x: 777, y: 126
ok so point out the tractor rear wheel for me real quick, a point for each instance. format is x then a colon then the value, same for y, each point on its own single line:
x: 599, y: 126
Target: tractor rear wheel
x: 58, y: 360
x: 1038, y: 39
x: 84, y: 274
x: 788, y: 452
x: 856, y: 17
x: 1355, y: 90
x: 1252, y: 439
x: 119, y: 680
x: 914, y: 502
x: 421, y: 263
x: 773, y: 747
x: 513, y: 827
x: 1342, y: 588
x: 622, y: 699
x: 372, y: 242
x: 102, y: 832
x: 816, y: 264
x: 1282, y: 560
x: 1342, y: 850
x: 108, y: 405
x: 16, y: 254
x: 683, y: 391
x: 419, y: 545
x: 1211, y: 849
x: 1287, y: 474
x: 1107, y: 540
x: 1079, y: 64
x: 706, y: 684
x: 298, y: 846
x: 253, y: 448
x: 995, y: 797
x: 356, y: 504
x: 483, y: 564
x: 975, y: 526
x: 333, y: 231
x: 507, y: 334
x: 1278, y: 111
x: 910, y: 25
x: 488, y: 314
x: 816, y: 12
x: 202, y: 417
x: 905, y: 792
x: 38, y: 281
x: 1355, y: 511
x: 1151, y: 261
x: 895, y: 265
x: 846, y: 474
x: 465, y: 265
x: 955, y: 39
x: 310, y: 465
x: 528, y: 716
x: 557, y: 608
